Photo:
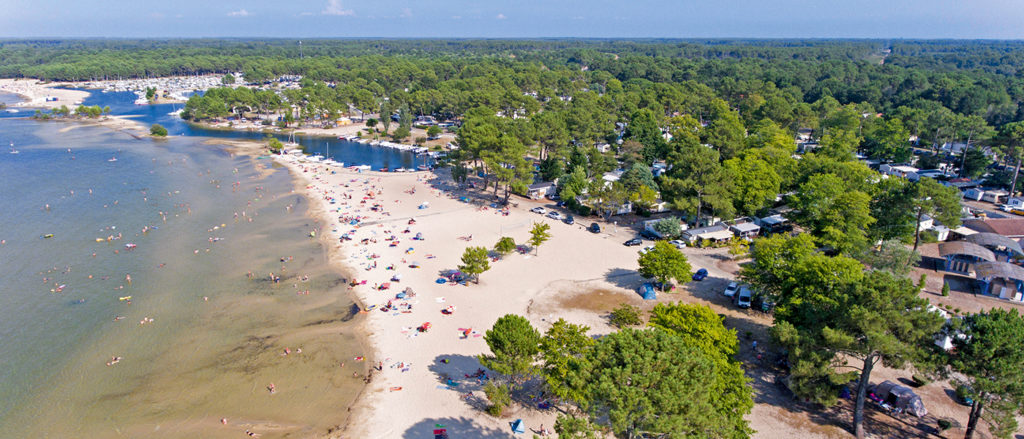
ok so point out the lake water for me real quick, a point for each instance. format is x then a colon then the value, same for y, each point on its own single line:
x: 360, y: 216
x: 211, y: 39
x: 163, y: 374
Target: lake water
x: 350, y: 153
x: 200, y: 220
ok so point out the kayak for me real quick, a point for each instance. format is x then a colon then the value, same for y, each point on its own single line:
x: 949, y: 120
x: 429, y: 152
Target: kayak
x: 124, y: 298
x: 48, y: 235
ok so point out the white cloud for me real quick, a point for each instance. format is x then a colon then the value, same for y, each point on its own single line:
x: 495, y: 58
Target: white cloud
x: 456, y: 17
x: 334, y: 7
x: 406, y: 13
x: 239, y: 13
x: 305, y: 14
x: 501, y: 16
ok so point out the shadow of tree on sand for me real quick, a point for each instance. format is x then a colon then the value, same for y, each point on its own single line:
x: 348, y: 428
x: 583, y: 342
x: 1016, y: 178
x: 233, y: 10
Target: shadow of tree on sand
x: 623, y: 278
x: 456, y: 427
x: 462, y: 371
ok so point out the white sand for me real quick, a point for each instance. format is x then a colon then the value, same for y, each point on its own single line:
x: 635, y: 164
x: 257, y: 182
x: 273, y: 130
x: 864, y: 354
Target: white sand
x: 572, y: 259
x: 36, y: 93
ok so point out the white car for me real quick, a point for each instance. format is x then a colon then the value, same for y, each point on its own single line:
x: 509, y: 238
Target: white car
x: 1005, y: 207
x: 539, y: 210
x: 554, y: 215
x: 646, y: 249
x: 678, y: 244
x: 731, y: 289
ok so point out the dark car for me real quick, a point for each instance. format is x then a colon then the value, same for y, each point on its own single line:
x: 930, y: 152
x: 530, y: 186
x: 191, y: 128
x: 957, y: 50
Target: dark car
x: 632, y: 242
x: 700, y: 274
x: 594, y: 228
x: 647, y: 234
x: 569, y: 220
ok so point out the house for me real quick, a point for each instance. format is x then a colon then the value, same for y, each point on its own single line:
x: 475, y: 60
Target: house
x: 804, y: 134
x: 974, y: 193
x: 1016, y: 203
x: 773, y: 223
x: 715, y: 233
x: 649, y: 225
x: 541, y: 190
x: 611, y: 177
x: 904, y: 171
x: 603, y: 147
x: 747, y: 230
x: 927, y: 222
x: 962, y: 183
x: 995, y: 196
x: 931, y: 173
x: 1012, y: 228
x: 659, y: 168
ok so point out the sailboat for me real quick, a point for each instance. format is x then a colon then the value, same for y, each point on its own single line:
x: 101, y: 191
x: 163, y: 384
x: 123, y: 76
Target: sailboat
x: 13, y: 151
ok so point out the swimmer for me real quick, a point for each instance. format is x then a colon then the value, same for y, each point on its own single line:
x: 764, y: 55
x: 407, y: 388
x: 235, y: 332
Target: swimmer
x: 113, y: 361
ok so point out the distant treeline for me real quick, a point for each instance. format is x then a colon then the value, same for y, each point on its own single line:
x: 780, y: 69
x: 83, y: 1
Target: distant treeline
x: 966, y: 77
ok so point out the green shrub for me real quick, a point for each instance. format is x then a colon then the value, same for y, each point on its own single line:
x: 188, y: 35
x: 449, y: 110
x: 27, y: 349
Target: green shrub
x: 945, y: 289
x: 625, y: 315
x: 920, y: 380
x: 956, y: 310
x: 944, y: 424
x: 158, y: 130
x: 499, y: 396
x: 922, y: 281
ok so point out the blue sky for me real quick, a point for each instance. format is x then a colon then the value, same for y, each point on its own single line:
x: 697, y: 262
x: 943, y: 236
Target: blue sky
x: 999, y: 19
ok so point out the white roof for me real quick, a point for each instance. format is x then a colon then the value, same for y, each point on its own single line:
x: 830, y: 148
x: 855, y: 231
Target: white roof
x: 746, y: 227
x: 774, y: 219
x: 717, y: 234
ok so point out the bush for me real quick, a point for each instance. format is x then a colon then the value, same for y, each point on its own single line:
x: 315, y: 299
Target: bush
x: 625, y: 315
x: 956, y: 310
x: 944, y: 424
x: 158, y: 130
x: 922, y: 281
x: 920, y: 380
x: 421, y: 140
x: 962, y: 392
x: 929, y: 236
x: 499, y: 396
x: 945, y: 289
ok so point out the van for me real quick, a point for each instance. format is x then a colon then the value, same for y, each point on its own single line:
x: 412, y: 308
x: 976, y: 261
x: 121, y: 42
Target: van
x: 743, y: 298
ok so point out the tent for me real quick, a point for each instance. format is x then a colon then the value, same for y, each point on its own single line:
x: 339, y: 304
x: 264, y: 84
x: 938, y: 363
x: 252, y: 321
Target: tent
x: 647, y: 291
x: 900, y: 397
x: 518, y: 426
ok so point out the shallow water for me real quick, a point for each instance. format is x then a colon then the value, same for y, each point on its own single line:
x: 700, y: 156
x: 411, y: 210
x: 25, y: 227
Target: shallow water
x: 217, y: 335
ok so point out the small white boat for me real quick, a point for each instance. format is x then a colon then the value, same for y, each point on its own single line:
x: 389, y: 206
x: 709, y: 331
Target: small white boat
x: 112, y: 159
x: 13, y: 151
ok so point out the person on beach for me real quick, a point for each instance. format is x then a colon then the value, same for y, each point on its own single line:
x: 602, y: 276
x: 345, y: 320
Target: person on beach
x: 272, y: 389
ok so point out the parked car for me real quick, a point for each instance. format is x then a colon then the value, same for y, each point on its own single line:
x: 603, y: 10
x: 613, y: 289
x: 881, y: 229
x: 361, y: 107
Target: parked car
x: 569, y: 220
x: 743, y: 298
x: 763, y: 303
x: 594, y: 228
x: 700, y: 274
x: 731, y: 289
x: 644, y: 250
x: 647, y: 234
x: 632, y: 242
x: 1005, y: 207
x: 678, y: 244
x: 554, y: 215
x: 538, y: 209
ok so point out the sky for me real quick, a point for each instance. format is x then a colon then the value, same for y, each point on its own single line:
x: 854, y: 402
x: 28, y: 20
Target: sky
x: 987, y: 19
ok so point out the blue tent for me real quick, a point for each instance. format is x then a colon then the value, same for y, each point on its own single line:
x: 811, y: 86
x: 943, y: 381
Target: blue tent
x: 518, y: 427
x: 647, y: 291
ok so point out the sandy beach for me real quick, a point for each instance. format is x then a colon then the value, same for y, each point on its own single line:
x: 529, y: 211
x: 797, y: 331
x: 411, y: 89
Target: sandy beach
x: 36, y: 93
x: 409, y: 394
